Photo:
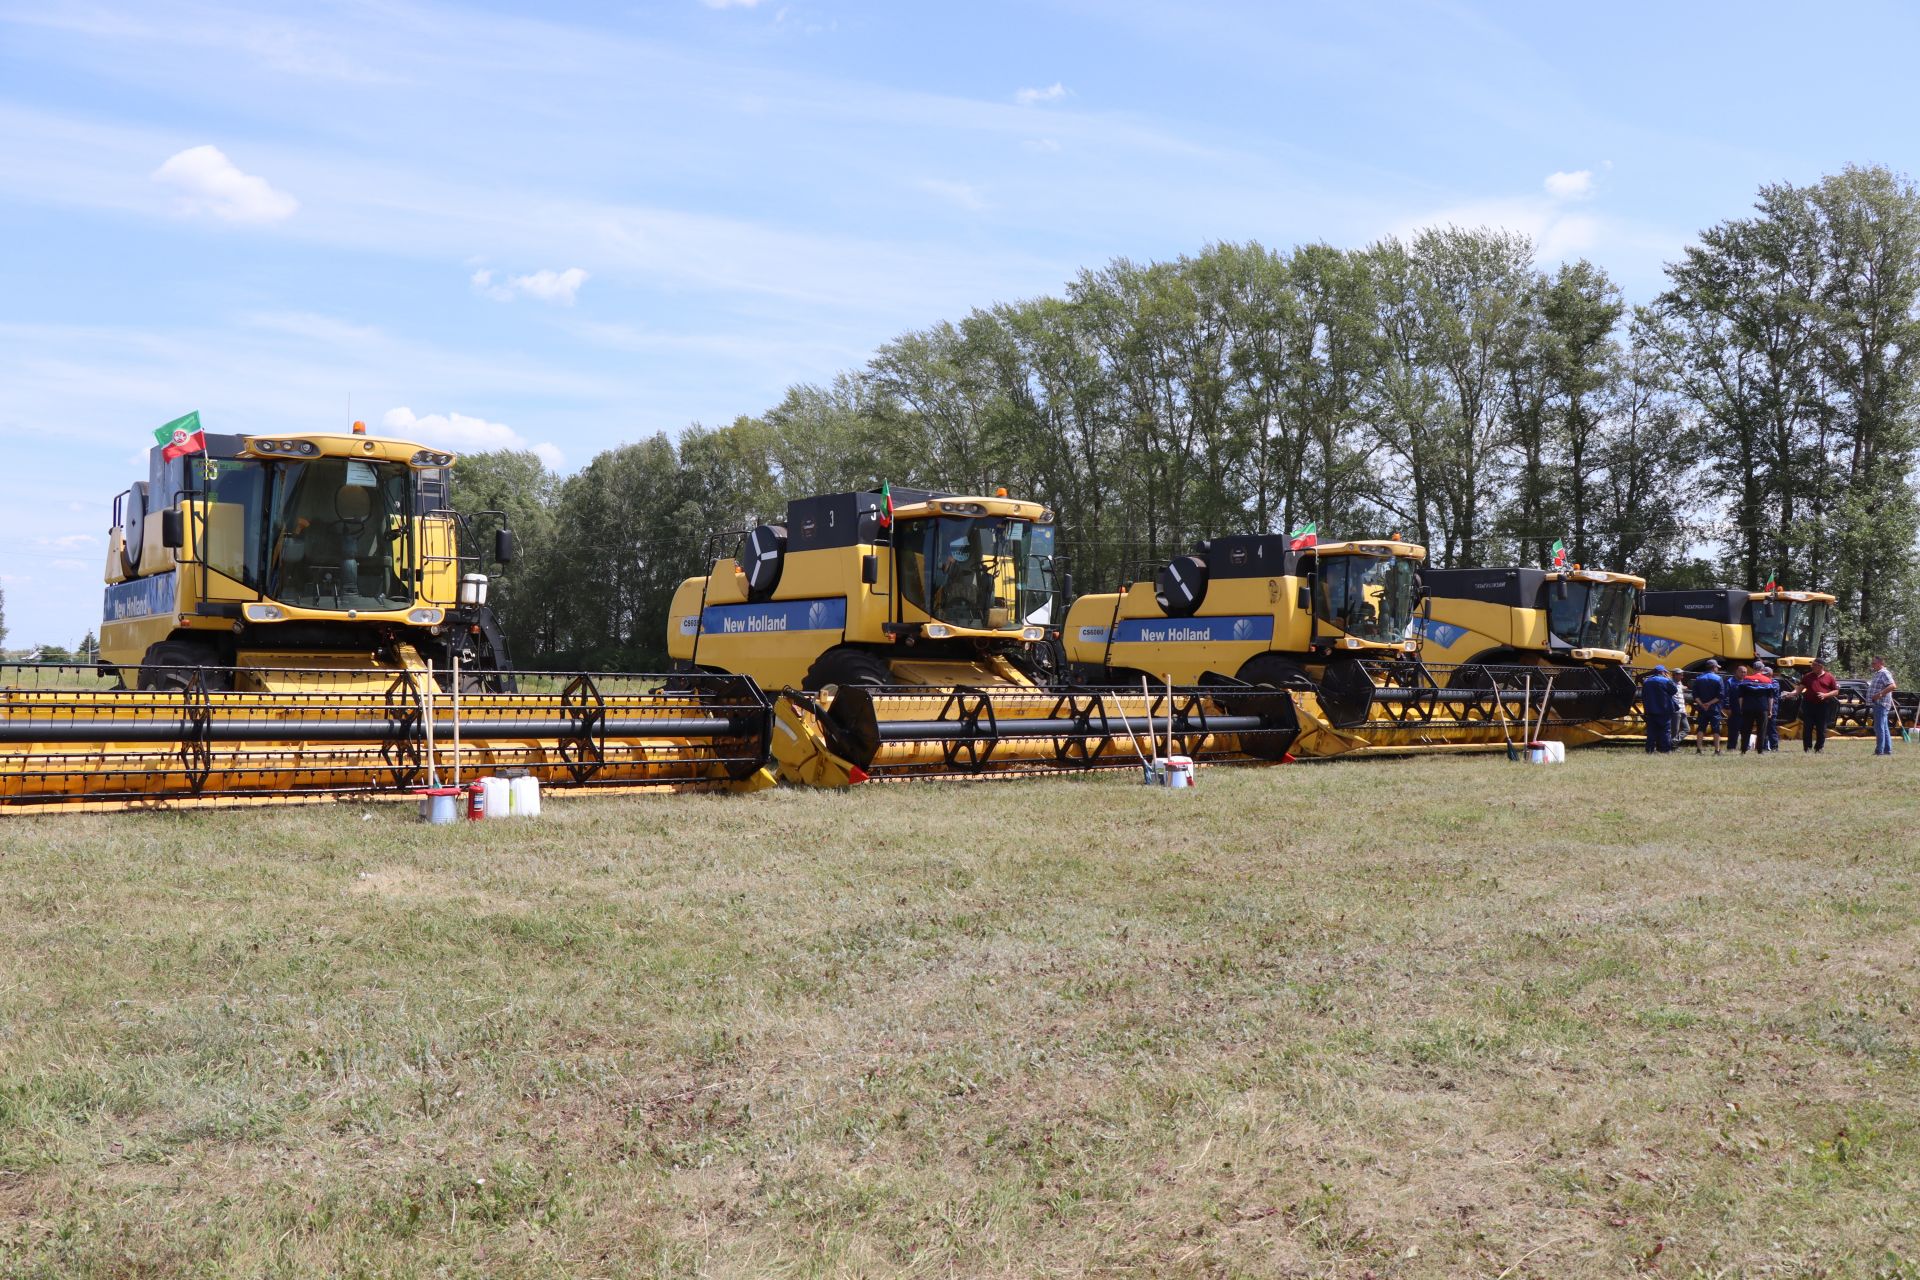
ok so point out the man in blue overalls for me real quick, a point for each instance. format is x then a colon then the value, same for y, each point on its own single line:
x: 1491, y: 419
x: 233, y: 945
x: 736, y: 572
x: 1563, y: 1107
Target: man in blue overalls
x: 1656, y: 700
x: 1709, y: 705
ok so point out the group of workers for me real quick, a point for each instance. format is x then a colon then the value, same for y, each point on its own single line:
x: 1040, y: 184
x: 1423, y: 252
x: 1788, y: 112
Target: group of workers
x: 1746, y: 706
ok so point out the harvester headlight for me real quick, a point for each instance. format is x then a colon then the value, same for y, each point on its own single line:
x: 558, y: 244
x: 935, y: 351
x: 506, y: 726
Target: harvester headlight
x: 938, y: 631
x: 427, y: 617
x: 960, y: 508
x: 264, y: 613
x: 266, y: 446
x: 1033, y: 633
x: 1352, y: 643
x: 431, y: 458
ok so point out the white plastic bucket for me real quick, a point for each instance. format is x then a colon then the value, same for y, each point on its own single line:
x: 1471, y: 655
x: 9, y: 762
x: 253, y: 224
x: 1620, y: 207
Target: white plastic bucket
x: 1556, y: 752
x: 1536, y: 753
x: 523, y: 797
x: 498, y: 797
x: 1179, y: 771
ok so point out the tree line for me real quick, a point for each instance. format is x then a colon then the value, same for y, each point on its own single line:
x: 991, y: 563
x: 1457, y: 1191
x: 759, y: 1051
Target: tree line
x: 1755, y: 421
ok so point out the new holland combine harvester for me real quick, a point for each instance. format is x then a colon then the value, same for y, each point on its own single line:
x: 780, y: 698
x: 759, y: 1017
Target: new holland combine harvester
x: 1786, y: 629
x: 296, y: 615
x: 1340, y: 624
x: 920, y: 639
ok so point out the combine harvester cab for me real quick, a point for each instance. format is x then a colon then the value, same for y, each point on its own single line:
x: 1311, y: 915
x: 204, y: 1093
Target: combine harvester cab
x: 1519, y: 627
x: 299, y: 615
x: 920, y: 639
x: 1785, y: 629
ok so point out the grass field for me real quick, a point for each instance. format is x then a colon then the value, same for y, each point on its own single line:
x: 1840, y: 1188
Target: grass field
x: 1433, y: 1018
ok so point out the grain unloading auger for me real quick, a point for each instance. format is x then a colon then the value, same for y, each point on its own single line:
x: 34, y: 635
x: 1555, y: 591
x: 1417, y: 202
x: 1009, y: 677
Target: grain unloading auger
x: 1336, y: 625
x: 335, y: 735
x: 918, y: 640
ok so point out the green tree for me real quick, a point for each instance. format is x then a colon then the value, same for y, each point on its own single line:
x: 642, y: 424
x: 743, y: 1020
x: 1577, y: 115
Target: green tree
x: 518, y: 486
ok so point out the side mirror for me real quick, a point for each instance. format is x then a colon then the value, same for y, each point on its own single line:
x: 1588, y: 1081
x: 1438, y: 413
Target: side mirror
x: 1419, y: 586
x: 1306, y: 598
x: 870, y: 569
x: 173, y: 529
x: 503, y: 548
x: 1560, y: 589
x: 1066, y: 587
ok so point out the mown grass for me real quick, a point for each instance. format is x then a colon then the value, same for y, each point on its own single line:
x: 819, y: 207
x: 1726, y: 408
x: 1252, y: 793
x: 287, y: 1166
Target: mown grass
x: 1431, y: 1018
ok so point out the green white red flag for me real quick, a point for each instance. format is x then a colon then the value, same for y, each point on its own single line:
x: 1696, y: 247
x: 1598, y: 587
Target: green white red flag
x: 181, y: 437
x: 1307, y: 535
x: 1559, y: 554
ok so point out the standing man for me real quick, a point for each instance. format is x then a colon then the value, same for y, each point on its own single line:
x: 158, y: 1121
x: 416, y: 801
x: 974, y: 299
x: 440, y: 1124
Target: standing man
x: 1709, y: 704
x: 1772, y: 726
x: 1817, y: 693
x: 1737, y: 707
x: 1755, y: 691
x: 1656, y: 700
x: 1880, y: 702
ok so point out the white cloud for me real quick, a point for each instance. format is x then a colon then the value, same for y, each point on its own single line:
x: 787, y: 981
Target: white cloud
x: 548, y: 286
x: 960, y: 193
x: 1045, y: 146
x: 463, y: 434
x: 1033, y: 97
x: 1577, y: 185
x: 211, y: 184
x: 730, y: 4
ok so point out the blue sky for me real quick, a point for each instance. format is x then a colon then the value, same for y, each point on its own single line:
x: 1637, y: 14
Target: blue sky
x: 570, y: 230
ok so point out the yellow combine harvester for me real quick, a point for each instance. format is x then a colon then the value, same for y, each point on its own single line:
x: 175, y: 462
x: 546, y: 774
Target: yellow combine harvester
x: 258, y: 555
x: 295, y: 614
x: 1684, y: 628
x: 1334, y: 622
x: 1574, y: 626
x: 1786, y: 629
x: 919, y: 639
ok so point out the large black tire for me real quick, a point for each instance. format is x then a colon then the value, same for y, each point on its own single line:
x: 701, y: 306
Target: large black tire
x: 172, y: 665
x: 847, y: 667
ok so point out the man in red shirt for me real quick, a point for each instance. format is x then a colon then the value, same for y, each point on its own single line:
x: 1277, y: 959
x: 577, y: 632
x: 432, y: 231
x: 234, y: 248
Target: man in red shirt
x: 1817, y: 693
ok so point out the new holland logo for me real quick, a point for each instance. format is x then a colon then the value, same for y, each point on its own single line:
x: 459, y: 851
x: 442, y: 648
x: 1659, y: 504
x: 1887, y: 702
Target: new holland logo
x: 1658, y: 646
x: 817, y: 616
x: 1243, y: 629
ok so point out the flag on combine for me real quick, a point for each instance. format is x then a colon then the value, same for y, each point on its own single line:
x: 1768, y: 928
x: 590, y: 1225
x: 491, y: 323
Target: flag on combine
x: 1773, y: 584
x: 886, y: 501
x: 181, y: 437
x: 1307, y: 535
x: 1559, y: 554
